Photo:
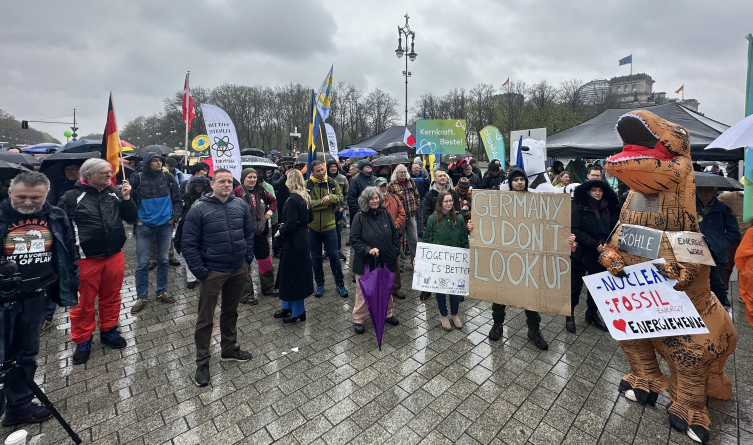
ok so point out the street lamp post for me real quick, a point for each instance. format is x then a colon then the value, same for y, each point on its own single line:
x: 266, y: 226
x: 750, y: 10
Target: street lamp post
x: 399, y: 52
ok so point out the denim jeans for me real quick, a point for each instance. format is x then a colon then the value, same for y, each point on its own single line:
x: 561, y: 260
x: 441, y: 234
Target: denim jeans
x: 144, y: 236
x: 442, y: 304
x: 26, y: 316
x: 329, y: 239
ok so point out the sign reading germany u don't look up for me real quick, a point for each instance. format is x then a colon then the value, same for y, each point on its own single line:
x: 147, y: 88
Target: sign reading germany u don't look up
x: 519, y: 250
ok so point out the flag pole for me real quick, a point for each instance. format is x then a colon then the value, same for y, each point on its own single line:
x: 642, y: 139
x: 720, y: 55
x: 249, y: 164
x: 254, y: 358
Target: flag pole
x: 185, y: 154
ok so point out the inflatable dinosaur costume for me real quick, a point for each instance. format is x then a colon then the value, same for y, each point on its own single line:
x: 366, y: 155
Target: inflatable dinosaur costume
x: 655, y: 163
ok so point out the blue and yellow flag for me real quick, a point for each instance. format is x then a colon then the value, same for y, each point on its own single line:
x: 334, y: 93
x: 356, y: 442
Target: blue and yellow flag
x: 313, y: 131
x: 324, y: 97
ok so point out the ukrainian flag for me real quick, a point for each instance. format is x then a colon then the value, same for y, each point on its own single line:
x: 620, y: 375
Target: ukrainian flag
x: 313, y: 131
x: 324, y: 97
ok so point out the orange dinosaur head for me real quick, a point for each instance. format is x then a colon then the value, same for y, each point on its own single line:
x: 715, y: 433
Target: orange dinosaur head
x: 656, y: 154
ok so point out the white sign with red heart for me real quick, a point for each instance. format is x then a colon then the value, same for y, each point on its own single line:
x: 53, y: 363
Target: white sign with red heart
x: 644, y: 304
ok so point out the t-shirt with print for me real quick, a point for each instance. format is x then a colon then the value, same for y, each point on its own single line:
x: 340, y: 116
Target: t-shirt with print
x: 29, y: 244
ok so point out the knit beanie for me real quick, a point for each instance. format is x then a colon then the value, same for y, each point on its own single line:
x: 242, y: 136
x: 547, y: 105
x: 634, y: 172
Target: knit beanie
x: 464, y: 185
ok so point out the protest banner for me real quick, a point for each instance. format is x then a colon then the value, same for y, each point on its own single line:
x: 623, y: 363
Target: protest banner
x: 223, y: 140
x: 519, y: 251
x: 441, y: 269
x: 440, y: 136
x: 332, y: 141
x: 644, y: 304
x: 494, y: 143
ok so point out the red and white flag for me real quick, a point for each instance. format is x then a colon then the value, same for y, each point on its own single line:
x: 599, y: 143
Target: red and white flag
x: 189, y: 112
x: 408, y: 138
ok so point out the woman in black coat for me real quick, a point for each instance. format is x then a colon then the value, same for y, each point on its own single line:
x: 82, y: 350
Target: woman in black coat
x: 375, y: 240
x: 595, y: 211
x: 296, y: 273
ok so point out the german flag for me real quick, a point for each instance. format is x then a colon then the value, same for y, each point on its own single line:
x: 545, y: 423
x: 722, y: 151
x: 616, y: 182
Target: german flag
x: 111, y: 148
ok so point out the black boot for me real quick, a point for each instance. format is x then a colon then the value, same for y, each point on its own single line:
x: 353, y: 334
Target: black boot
x: 495, y: 333
x: 537, y: 339
x: 570, y: 324
x: 594, y: 319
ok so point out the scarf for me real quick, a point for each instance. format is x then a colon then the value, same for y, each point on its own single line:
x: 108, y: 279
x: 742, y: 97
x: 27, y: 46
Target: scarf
x: 317, y: 181
x: 601, y: 210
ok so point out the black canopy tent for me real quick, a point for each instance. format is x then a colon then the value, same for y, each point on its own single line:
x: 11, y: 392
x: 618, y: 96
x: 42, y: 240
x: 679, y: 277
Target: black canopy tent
x: 597, y: 138
x: 390, y: 135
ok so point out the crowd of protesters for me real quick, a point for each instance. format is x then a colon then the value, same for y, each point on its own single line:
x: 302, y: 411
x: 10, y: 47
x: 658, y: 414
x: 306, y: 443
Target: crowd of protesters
x: 218, y: 227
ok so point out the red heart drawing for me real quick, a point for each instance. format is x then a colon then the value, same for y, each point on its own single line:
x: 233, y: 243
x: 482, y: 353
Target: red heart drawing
x: 620, y: 324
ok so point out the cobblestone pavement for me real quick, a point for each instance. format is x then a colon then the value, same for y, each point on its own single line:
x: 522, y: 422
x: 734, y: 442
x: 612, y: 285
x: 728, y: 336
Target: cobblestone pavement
x: 319, y: 382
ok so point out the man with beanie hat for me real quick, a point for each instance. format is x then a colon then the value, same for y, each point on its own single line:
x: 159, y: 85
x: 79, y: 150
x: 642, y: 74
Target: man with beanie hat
x: 518, y: 182
x: 171, y: 164
x: 464, y: 195
x: 358, y: 184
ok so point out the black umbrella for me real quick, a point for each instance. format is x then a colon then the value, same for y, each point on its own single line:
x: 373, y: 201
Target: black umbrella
x: 257, y: 162
x: 159, y: 149
x: 9, y: 170
x: 26, y: 160
x: 454, y: 158
x: 397, y: 147
x: 722, y: 184
x: 252, y: 152
x: 62, y: 156
x: 390, y: 160
x: 82, y: 146
x: 303, y: 158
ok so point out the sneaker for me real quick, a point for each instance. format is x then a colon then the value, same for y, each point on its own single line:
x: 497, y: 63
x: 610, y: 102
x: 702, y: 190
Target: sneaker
x: 424, y: 296
x: 319, y: 292
x: 393, y: 321
x: 250, y: 302
x: 173, y: 262
x: 46, y: 325
x: 31, y: 413
x: 400, y: 295
x: 236, y: 355
x: 202, y: 375
x: 495, y: 333
x: 538, y: 339
x: 112, y: 339
x: 342, y: 257
x: 272, y: 293
x: 163, y: 297
x: 341, y: 290
x: 191, y: 284
x: 358, y: 327
x: 82, y: 352
x: 140, y: 304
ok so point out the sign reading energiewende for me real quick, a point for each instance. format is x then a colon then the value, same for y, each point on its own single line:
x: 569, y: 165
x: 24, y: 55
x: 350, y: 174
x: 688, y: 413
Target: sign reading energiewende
x: 644, y: 304
x: 441, y: 269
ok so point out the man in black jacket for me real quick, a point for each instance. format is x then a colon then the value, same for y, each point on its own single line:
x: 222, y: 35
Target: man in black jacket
x: 97, y: 210
x: 218, y: 245
x: 358, y: 184
x: 494, y: 178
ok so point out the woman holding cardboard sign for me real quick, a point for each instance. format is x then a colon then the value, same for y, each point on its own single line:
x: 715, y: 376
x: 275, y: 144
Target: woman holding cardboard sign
x: 447, y: 227
x: 595, y: 211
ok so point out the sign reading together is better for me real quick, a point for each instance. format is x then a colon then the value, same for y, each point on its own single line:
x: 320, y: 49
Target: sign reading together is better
x: 441, y: 269
x: 519, y: 250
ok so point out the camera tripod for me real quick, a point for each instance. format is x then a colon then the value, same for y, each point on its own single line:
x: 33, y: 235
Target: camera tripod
x: 10, y: 296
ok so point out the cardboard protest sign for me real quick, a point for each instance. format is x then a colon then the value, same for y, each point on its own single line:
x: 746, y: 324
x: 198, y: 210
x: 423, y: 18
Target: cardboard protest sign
x: 690, y: 247
x: 644, y: 304
x: 519, y: 251
x: 441, y: 269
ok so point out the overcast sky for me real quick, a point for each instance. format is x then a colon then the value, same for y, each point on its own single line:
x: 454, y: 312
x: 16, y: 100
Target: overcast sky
x: 57, y: 56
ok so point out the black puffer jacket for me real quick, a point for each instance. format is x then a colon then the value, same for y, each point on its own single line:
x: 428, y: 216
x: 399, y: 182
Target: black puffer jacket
x: 97, y: 218
x: 374, y: 228
x: 217, y: 236
x: 358, y: 185
x: 585, y: 226
x: 490, y: 181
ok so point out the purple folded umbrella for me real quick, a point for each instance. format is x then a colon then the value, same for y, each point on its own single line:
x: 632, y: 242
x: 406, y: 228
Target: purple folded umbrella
x: 376, y: 287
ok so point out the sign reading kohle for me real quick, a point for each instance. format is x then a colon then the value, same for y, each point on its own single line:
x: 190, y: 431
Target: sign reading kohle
x: 440, y: 136
x: 223, y: 140
x: 441, y: 269
x: 519, y: 253
x: 644, y: 304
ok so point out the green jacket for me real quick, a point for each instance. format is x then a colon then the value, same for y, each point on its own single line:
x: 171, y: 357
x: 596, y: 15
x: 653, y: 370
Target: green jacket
x: 445, y: 234
x: 324, y: 215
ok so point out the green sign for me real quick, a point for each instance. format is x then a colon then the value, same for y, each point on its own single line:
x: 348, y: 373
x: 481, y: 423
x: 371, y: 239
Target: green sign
x: 440, y: 136
x: 493, y: 142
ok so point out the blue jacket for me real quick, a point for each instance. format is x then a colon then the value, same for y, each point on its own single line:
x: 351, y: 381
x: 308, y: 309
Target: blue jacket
x: 422, y: 182
x: 65, y: 291
x: 217, y: 236
x: 719, y: 226
x: 156, y: 194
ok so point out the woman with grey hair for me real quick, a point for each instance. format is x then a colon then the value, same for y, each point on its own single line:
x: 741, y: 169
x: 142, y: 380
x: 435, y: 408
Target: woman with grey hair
x: 375, y: 239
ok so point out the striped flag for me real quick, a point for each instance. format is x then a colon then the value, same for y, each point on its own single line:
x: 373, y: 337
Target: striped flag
x: 111, y: 148
x: 682, y: 88
x: 408, y: 138
x: 507, y: 82
x: 189, y: 112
